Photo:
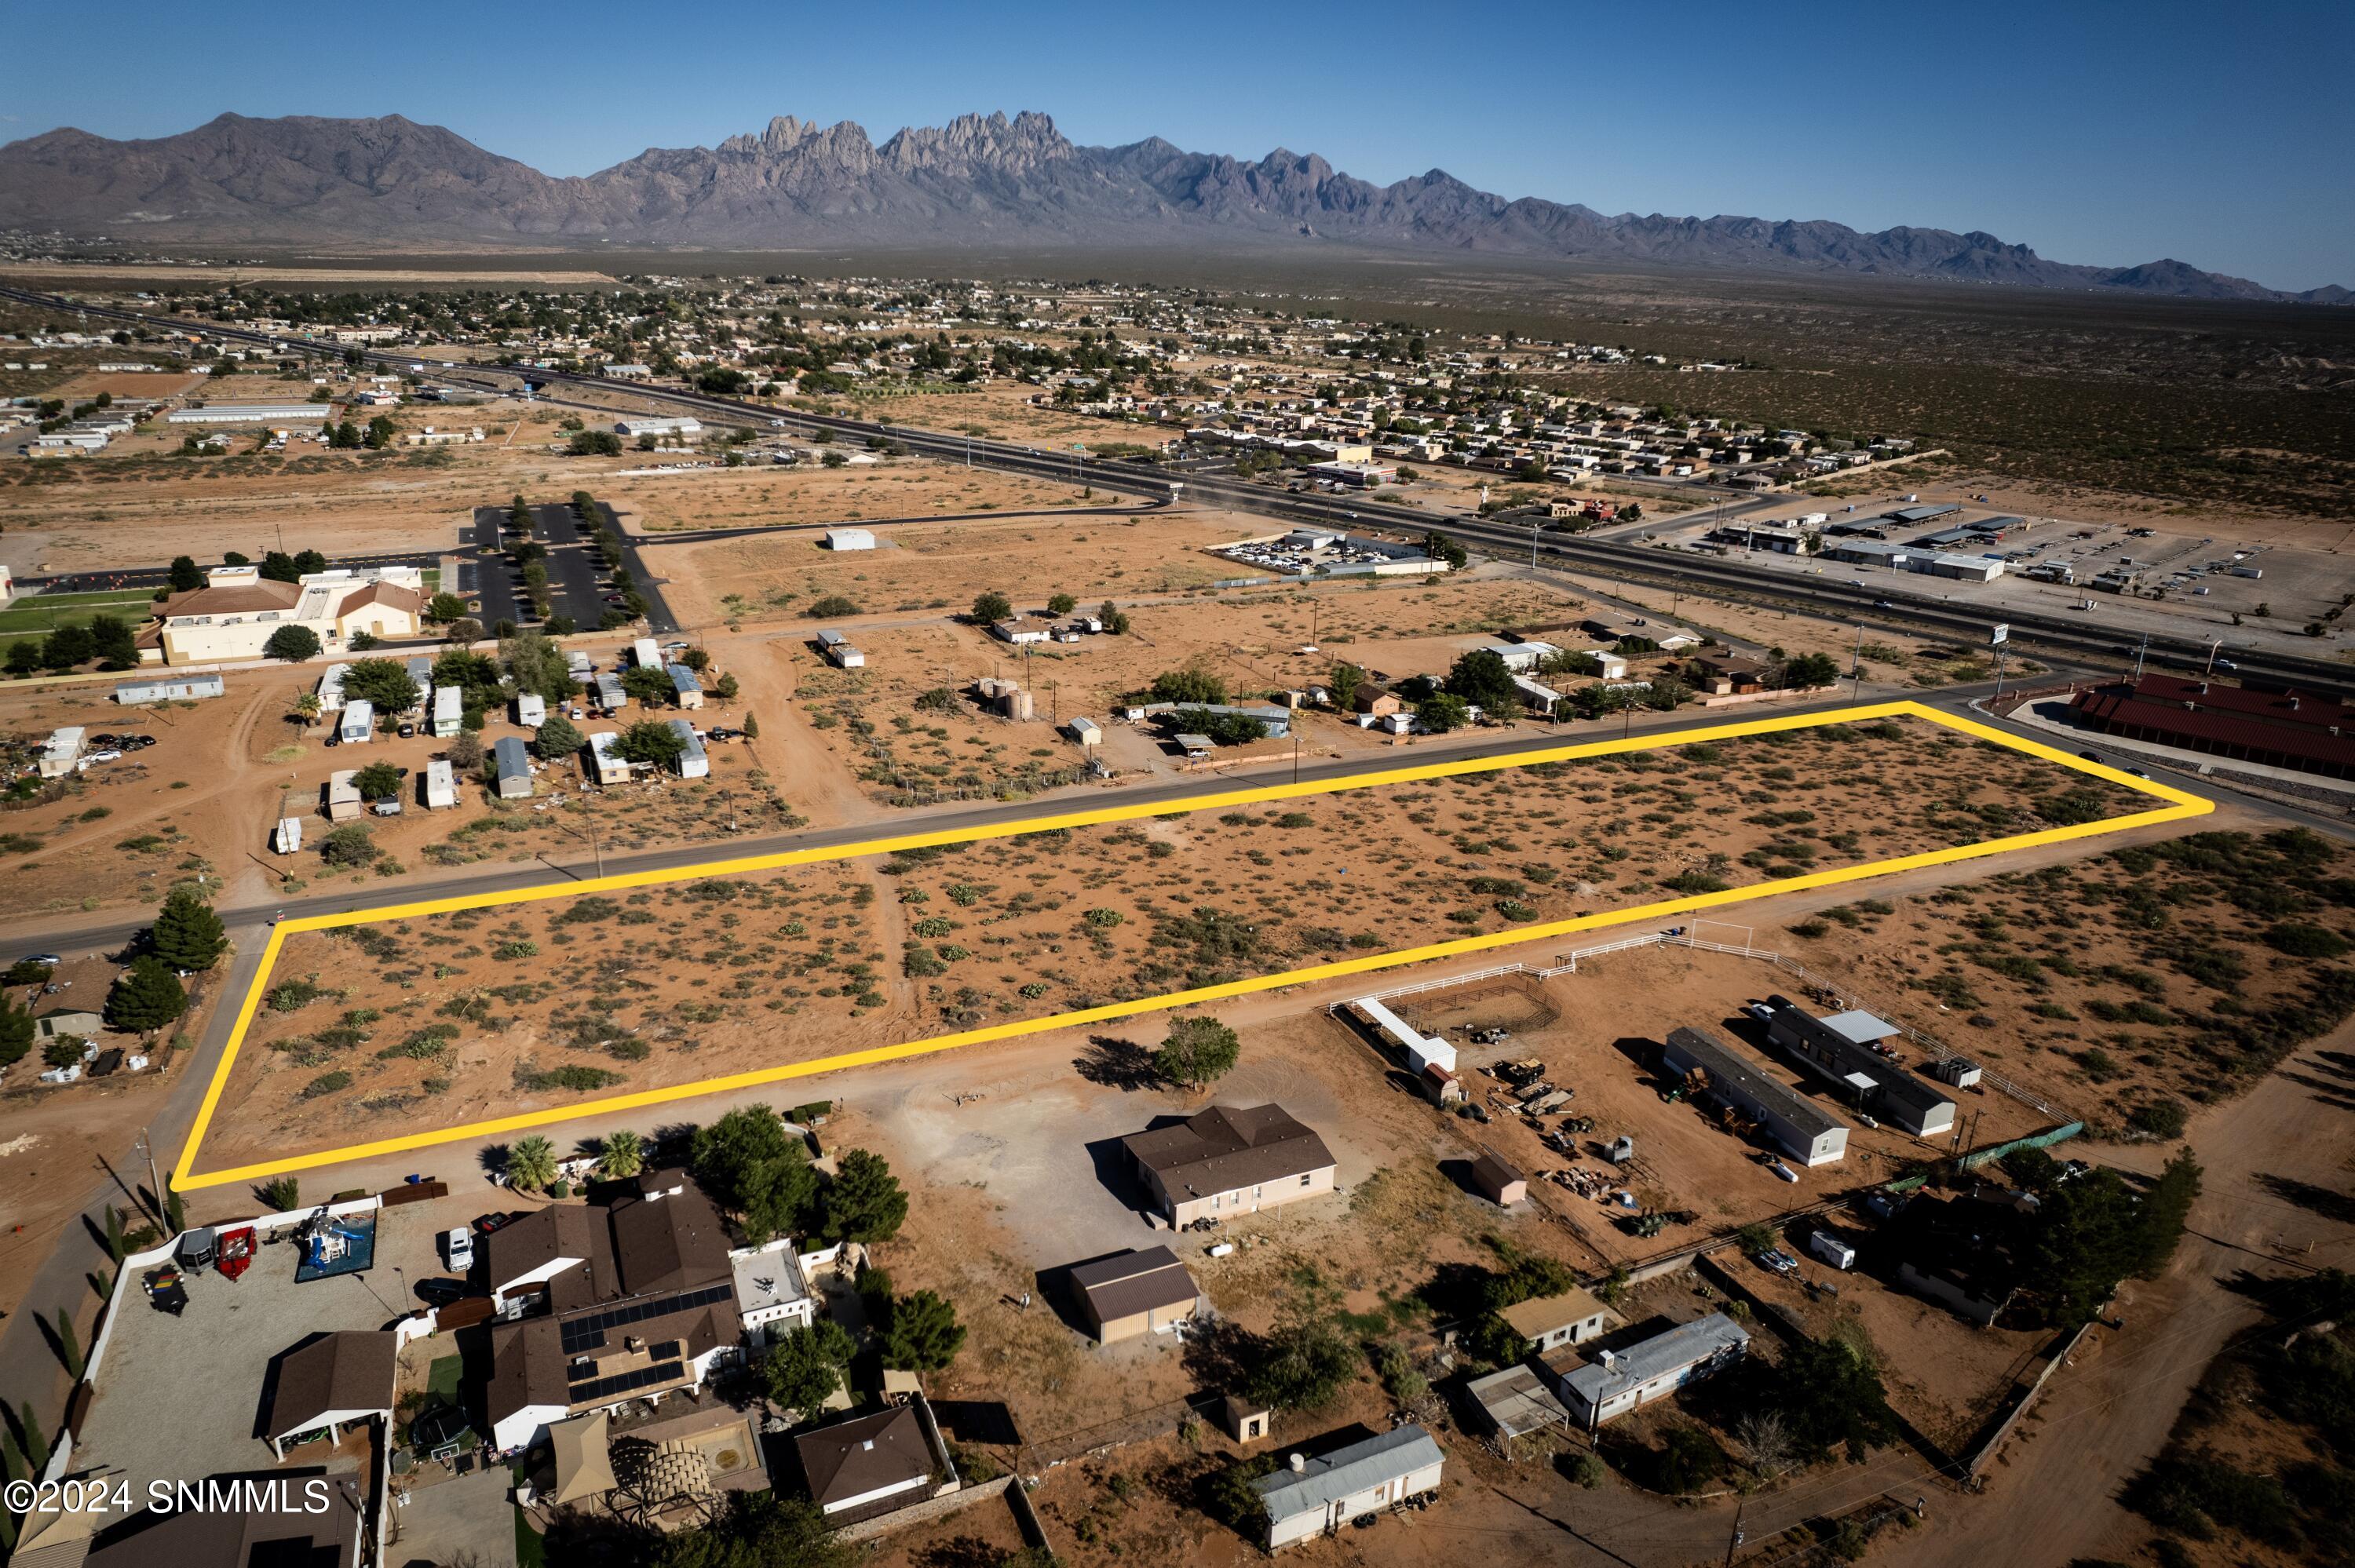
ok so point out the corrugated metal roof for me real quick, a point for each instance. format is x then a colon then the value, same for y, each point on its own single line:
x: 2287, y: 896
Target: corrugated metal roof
x: 1345, y: 1472
x: 2300, y: 726
x: 1688, y: 1344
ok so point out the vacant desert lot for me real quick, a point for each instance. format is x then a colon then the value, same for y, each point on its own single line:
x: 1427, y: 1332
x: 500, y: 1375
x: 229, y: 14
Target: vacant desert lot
x: 442, y: 1018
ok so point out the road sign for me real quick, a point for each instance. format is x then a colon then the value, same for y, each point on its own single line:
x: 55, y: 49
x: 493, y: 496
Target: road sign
x: 1999, y: 636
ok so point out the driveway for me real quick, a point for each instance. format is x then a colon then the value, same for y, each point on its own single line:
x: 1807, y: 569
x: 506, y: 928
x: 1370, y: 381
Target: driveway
x: 466, y: 1518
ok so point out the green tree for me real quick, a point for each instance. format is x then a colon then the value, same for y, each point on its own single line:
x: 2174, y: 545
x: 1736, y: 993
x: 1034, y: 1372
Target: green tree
x: 278, y: 566
x: 992, y: 607
x: 307, y: 562
x: 594, y: 443
x: 187, y: 933
x: 23, y: 657
x: 292, y: 644
x: 621, y: 1156
x: 186, y: 575
x: 69, y: 1343
x: 1063, y: 604
x: 759, y: 1530
x: 67, y: 648
x: 16, y: 1031
x: 864, y: 1203
x: 1223, y: 729
x: 1811, y: 670
x: 1440, y: 547
x: 534, y: 663
x: 1189, y: 686
x: 377, y: 781
x: 1829, y: 1394
x: 804, y: 1368
x: 384, y: 684
x: 920, y: 1333
x: 1443, y: 711
x: 63, y: 1050
x: 649, y: 683
x: 752, y: 727
x: 747, y: 1162
x: 444, y: 607
x: 2166, y: 1209
x: 1306, y: 1359
x: 531, y: 1164
x: 1482, y: 679
x: 113, y: 642
x: 1114, y: 618
x: 1198, y: 1050
x: 146, y: 996
x: 650, y: 740
x: 349, y: 845
x: 1344, y: 684
x: 558, y: 739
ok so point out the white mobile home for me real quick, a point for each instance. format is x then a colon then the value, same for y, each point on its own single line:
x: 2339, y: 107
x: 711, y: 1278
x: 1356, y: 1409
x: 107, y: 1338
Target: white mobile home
x: 850, y: 539
x: 331, y: 688
x: 604, y: 765
x: 645, y: 654
x: 611, y: 698
x: 1806, y: 1132
x: 441, y: 786
x: 288, y: 837
x: 169, y: 689
x: 839, y: 652
x: 694, y: 762
x: 1311, y: 1497
x: 530, y: 710
x: 449, y: 711
x: 513, y: 765
x: 685, y: 687
x: 1617, y: 1381
x: 357, y: 723
x: 62, y: 752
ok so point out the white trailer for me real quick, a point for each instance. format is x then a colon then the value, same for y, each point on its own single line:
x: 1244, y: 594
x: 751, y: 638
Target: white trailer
x: 288, y: 837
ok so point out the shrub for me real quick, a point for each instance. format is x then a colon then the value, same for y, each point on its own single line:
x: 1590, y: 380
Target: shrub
x: 829, y: 607
x: 2300, y: 939
x: 326, y: 1083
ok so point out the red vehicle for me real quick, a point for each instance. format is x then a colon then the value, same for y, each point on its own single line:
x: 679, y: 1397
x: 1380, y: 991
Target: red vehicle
x: 236, y: 1252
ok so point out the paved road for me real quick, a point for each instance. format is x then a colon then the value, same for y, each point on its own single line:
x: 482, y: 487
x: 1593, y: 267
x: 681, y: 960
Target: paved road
x: 701, y: 535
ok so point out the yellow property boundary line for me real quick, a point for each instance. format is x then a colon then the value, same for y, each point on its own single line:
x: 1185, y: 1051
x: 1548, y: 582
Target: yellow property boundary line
x: 2178, y: 804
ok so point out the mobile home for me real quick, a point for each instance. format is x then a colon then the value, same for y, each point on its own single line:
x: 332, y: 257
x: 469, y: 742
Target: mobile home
x: 604, y: 765
x: 449, y: 711
x: 688, y: 690
x: 530, y: 710
x: 694, y: 762
x: 288, y: 838
x: 441, y: 786
x: 610, y: 696
x: 645, y: 654
x: 513, y: 766
x: 357, y: 723
x: 343, y: 795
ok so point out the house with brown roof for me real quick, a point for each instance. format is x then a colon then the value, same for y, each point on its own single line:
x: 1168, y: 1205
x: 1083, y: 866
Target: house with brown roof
x: 633, y: 1297
x: 873, y: 1465
x: 238, y: 611
x: 332, y: 1382
x: 1139, y: 1292
x: 1571, y: 1317
x: 1725, y: 675
x: 1228, y: 1161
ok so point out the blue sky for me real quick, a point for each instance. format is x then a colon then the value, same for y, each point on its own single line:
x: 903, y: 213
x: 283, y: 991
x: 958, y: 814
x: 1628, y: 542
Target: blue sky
x: 2096, y: 132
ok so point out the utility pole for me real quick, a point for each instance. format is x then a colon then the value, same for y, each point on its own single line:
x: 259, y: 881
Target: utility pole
x: 1856, y: 666
x: 1295, y: 753
x: 1533, y: 543
x: 2213, y: 648
x: 1733, y: 1540
x: 154, y: 1182
x: 2139, y: 653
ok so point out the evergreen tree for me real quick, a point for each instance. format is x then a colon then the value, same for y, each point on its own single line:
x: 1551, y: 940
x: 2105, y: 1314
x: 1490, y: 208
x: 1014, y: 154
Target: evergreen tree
x: 15, y: 1031
x: 920, y: 1333
x: 147, y: 996
x: 1196, y: 1051
x: 865, y: 1201
x: 558, y: 739
x: 292, y: 644
x: 186, y: 575
x: 187, y: 933
x: 803, y: 1369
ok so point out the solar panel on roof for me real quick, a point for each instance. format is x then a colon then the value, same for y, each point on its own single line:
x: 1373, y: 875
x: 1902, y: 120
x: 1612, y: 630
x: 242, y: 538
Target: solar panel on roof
x: 619, y: 1384
x: 587, y: 1332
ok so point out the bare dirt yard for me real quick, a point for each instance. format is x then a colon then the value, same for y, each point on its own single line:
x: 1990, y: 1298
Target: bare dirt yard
x: 875, y: 489
x: 938, y: 939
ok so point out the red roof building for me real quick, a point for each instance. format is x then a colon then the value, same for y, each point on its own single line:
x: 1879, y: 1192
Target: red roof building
x: 2299, y: 730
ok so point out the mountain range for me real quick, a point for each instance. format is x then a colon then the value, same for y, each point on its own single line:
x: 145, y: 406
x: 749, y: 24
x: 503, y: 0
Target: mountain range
x: 391, y: 185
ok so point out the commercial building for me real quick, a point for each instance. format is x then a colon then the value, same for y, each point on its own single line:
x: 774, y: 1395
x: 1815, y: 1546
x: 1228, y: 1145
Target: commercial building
x: 1801, y: 1127
x: 169, y: 689
x: 1616, y: 1381
x: 601, y: 1305
x: 2303, y: 731
x: 850, y: 539
x: 511, y: 767
x: 1839, y: 1050
x: 1147, y: 1291
x: 1310, y: 1497
x: 682, y: 430
x: 693, y: 761
x: 233, y: 616
x: 1226, y: 1161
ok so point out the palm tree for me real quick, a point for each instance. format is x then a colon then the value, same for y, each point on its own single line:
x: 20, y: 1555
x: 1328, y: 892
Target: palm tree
x: 531, y: 1163
x: 306, y: 707
x: 624, y: 1155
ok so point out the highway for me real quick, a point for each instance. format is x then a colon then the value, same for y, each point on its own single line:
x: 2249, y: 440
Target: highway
x: 1635, y: 562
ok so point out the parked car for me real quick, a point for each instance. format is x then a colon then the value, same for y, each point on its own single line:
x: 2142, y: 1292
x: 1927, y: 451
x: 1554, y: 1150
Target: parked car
x: 440, y: 1292
x: 1761, y: 1012
x: 51, y: 959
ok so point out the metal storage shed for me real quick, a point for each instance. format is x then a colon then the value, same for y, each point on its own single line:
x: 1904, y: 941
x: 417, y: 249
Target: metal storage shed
x: 513, y: 769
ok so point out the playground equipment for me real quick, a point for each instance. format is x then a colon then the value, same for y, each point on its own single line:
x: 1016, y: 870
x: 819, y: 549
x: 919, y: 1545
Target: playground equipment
x: 326, y: 1241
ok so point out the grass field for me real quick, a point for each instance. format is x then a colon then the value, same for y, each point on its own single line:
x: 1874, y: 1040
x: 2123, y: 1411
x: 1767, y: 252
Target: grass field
x: 41, y: 614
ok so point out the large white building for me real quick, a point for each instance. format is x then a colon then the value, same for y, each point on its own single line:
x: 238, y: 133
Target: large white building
x: 234, y: 614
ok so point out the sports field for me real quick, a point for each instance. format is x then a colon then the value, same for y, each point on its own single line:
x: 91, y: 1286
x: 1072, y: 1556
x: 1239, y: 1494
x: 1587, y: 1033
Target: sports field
x: 1703, y: 807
